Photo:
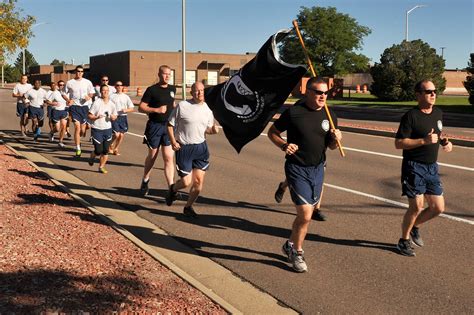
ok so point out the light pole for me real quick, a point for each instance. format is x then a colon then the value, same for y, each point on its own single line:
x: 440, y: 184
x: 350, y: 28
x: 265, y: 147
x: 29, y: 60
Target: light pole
x: 24, y: 48
x: 442, y: 52
x: 183, y: 43
x: 406, y: 19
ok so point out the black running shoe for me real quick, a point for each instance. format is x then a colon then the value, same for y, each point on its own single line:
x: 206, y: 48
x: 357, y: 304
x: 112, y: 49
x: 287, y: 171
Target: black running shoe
x: 279, y: 193
x: 416, y: 237
x: 405, y: 248
x: 318, y: 215
x: 189, y: 212
x: 144, y: 187
x: 171, y: 195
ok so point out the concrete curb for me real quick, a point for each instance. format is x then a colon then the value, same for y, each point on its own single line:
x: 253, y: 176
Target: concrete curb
x: 232, y: 293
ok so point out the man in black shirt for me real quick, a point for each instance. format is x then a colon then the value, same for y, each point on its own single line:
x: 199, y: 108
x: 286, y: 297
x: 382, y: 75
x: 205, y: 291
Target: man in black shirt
x: 419, y: 136
x: 309, y: 134
x: 158, y: 103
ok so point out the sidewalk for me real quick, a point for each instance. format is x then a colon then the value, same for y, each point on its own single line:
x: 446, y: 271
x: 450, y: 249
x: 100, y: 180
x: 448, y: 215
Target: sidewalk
x: 63, y: 254
x: 57, y: 256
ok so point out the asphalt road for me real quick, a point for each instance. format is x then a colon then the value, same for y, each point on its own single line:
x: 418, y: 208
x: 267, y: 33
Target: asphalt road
x: 353, y: 263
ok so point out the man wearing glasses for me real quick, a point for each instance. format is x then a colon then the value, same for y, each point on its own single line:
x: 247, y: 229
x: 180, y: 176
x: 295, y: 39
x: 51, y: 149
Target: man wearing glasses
x: 104, y: 80
x: 78, y: 94
x: 309, y: 135
x: 419, y: 136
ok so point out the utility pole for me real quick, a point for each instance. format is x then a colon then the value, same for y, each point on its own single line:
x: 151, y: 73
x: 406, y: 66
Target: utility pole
x: 442, y: 52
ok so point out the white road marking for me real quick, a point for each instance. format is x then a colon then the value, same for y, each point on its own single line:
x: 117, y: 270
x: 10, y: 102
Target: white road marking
x: 134, y: 134
x: 393, y: 202
x: 464, y: 168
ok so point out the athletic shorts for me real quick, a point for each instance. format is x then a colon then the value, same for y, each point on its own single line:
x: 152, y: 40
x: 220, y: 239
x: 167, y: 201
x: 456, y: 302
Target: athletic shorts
x: 192, y: 156
x: 305, y: 183
x: 57, y: 115
x: 120, y: 125
x: 156, y: 134
x: 35, y: 112
x: 21, y: 109
x: 79, y: 113
x: 420, y: 178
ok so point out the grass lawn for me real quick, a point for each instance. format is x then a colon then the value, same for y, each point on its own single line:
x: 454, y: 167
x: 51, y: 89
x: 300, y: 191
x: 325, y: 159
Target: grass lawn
x: 454, y: 104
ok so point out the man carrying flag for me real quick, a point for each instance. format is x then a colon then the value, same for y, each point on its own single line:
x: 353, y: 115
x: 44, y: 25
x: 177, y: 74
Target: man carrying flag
x: 309, y: 134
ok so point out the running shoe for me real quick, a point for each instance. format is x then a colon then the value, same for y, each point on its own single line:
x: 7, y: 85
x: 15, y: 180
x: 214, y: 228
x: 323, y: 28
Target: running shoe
x: 78, y: 153
x: 91, y: 161
x: 103, y: 170
x: 318, y: 215
x: 416, y: 237
x: 171, y: 195
x: 144, y: 187
x: 279, y: 193
x: 297, y: 261
x: 61, y: 145
x: 189, y: 212
x: 286, y: 249
x: 51, y: 137
x: 405, y: 248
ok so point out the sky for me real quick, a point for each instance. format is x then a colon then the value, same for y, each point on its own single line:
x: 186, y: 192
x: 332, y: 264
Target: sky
x: 74, y: 30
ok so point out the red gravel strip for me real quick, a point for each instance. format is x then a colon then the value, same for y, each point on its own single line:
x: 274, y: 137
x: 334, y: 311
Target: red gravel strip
x: 56, y: 256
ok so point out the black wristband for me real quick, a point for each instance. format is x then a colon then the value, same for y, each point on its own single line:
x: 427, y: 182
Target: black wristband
x: 284, y: 146
x: 444, y: 142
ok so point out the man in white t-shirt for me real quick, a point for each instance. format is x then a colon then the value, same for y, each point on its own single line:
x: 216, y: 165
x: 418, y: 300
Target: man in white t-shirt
x: 78, y: 94
x: 36, y: 97
x: 59, y: 113
x: 124, y: 105
x: 187, y: 128
x: 21, y: 107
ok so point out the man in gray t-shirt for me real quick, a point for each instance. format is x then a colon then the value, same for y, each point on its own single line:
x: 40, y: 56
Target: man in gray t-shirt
x: 187, y: 128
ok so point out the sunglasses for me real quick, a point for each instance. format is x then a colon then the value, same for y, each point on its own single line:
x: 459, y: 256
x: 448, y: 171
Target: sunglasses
x: 118, y: 84
x: 427, y: 92
x: 79, y: 70
x: 319, y: 92
x: 61, y: 84
x: 104, y: 80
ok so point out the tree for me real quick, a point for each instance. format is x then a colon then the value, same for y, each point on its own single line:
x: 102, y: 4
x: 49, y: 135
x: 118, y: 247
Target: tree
x: 15, y: 30
x: 56, y: 62
x: 402, y: 66
x: 12, y: 73
x: 29, y: 61
x: 331, y: 39
x: 469, y: 83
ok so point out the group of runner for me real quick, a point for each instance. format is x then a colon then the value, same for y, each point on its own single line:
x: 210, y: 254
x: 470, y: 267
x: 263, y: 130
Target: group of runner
x: 181, y: 128
x: 103, y: 110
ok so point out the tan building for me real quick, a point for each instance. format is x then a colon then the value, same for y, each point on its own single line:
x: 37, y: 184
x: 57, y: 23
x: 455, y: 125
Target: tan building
x: 137, y: 68
x: 454, y: 81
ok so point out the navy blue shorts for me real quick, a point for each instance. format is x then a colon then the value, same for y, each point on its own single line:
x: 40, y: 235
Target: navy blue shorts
x: 420, y: 178
x: 79, y: 113
x: 192, y: 156
x: 101, y: 139
x: 120, y: 125
x: 156, y: 134
x: 21, y: 109
x: 57, y: 115
x: 35, y: 112
x: 305, y: 183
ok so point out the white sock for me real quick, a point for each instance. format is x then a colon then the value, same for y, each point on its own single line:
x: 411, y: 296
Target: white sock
x: 78, y: 147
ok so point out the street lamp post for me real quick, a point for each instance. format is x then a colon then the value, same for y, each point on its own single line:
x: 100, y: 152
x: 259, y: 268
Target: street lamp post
x: 24, y: 48
x: 406, y: 18
x: 183, y: 49
x: 442, y: 52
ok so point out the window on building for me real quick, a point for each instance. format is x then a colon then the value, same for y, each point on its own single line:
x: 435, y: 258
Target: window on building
x: 190, y: 77
x: 171, y: 77
x: 212, y: 77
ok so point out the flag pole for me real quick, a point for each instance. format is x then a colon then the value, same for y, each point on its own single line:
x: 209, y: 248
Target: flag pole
x: 308, y: 60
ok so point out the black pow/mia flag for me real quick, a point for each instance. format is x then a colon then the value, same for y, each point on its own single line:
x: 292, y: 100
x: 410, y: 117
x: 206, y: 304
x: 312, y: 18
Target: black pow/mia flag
x: 245, y: 103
